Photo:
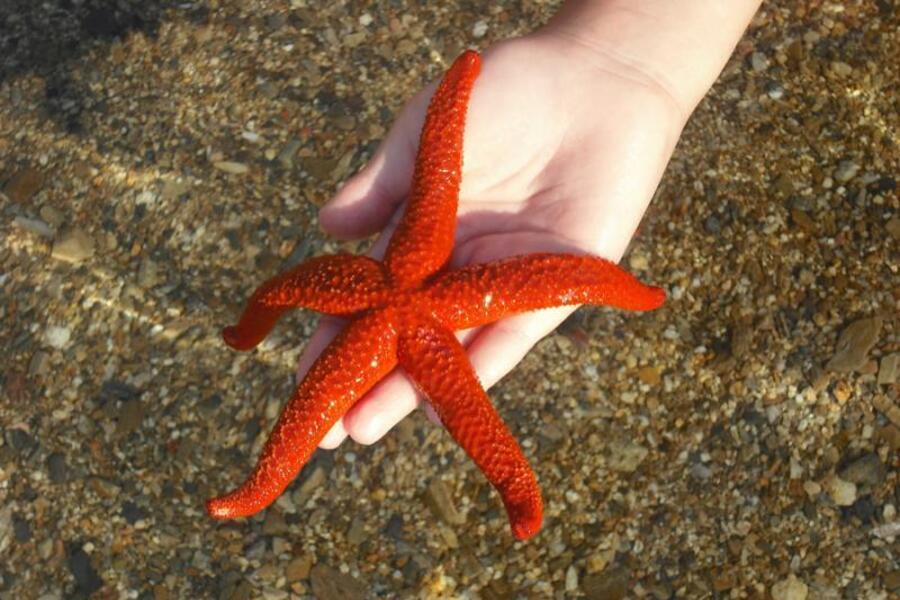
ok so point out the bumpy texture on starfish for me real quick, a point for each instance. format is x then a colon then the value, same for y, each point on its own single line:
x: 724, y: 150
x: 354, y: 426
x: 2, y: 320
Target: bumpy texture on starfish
x: 403, y: 312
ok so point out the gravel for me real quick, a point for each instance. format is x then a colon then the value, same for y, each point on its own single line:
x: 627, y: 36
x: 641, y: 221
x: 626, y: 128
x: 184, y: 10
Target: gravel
x: 158, y: 159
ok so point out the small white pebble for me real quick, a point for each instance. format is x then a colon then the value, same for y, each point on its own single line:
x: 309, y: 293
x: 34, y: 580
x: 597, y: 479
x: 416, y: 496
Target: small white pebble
x: 365, y: 19
x: 842, y: 492
x: 571, y: 579
x: 790, y: 589
x: 812, y: 488
x: 479, y: 29
x: 58, y: 337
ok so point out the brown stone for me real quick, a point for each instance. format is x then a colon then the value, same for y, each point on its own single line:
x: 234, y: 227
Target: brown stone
x: 649, y: 375
x: 803, y: 221
x: 298, y: 568
x: 330, y: 584
x: 611, y: 584
x: 892, y: 580
x: 853, y: 345
x: 73, y: 246
x: 24, y: 184
x: 439, y: 499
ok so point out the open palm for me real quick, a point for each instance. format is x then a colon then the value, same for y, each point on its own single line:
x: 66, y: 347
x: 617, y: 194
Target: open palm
x: 563, y: 150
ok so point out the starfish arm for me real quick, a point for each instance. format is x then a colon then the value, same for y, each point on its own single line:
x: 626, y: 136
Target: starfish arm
x: 437, y: 363
x: 337, y: 285
x: 480, y: 294
x: 423, y: 240
x: 355, y: 361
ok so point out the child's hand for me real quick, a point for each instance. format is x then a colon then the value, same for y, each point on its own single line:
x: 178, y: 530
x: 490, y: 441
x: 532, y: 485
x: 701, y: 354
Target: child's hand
x: 563, y: 151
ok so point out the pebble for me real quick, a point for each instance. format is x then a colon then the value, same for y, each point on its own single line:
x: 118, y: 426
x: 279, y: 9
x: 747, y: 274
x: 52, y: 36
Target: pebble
x: 57, y: 470
x: 330, y: 584
x: 649, y: 375
x: 309, y: 485
x: 35, y: 226
x: 298, y: 568
x: 286, y: 155
x: 251, y: 136
x: 867, y: 470
x: 479, y: 29
x: 130, y: 416
x: 267, y: 89
x: 759, y: 62
x: 21, y: 529
x: 890, y: 410
x: 87, y: 580
x: 148, y: 273
x: 625, y: 458
x: 73, y: 246
x: 851, y: 351
x: 571, y: 579
x: 842, y: 492
x: 235, y: 168
x: 23, y: 185
x: 775, y: 90
x: 274, y: 523
x: 893, y: 228
x: 889, y: 369
x: 841, y: 68
x: 356, y: 533
x: 394, y: 526
x: 812, y: 488
x: 440, y: 501
x: 599, y: 560
x: 345, y: 122
x: 319, y: 168
x: 6, y: 526
x: 276, y: 21
x: 53, y: 217
x: 790, y: 589
x: 638, y: 261
x: 39, y: 365
x: 845, y: 171
x: 611, y: 584
x: 803, y: 221
x: 892, y: 580
x: 58, y: 336
x: 132, y: 513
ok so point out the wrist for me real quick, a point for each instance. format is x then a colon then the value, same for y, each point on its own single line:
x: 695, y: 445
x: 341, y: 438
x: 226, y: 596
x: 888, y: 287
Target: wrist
x: 676, y: 48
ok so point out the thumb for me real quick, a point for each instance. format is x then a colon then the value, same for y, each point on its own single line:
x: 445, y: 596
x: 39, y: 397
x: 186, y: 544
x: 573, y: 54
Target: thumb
x: 365, y: 204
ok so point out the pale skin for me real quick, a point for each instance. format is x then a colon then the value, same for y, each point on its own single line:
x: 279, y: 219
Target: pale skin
x: 568, y: 132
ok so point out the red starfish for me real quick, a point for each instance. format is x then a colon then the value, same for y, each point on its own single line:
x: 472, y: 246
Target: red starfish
x: 404, y: 311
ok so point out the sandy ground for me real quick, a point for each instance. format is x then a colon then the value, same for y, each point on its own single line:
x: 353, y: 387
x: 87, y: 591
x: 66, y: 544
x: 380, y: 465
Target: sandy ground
x: 157, y: 160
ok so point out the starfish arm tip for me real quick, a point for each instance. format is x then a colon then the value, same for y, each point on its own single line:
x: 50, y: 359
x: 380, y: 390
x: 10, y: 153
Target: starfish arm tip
x: 656, y: 297
x: 220, y: 508
x: 527, y: 525
x: 234, y: 338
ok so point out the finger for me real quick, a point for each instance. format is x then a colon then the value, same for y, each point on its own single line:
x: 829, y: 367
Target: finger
x: 365, y: 203
x: 494, y: 351
x: 335, y: 436
x: 388, y: 403
x: 384, y: 406
x: 498, y: 348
